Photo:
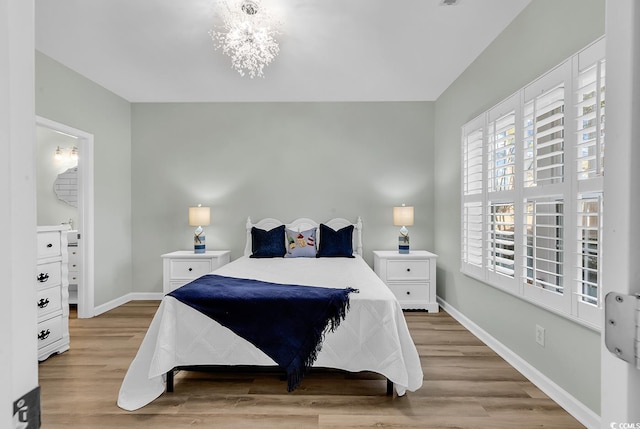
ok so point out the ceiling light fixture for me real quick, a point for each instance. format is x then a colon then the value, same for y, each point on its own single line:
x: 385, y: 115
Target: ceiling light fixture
x: 247, y: 35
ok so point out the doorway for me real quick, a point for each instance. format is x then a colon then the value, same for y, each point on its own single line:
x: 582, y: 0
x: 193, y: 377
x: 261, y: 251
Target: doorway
x: 71, y: 153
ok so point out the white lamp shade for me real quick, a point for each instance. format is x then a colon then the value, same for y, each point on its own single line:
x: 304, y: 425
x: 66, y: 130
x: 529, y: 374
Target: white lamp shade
x: 403, y: 216
x: 199, y: 216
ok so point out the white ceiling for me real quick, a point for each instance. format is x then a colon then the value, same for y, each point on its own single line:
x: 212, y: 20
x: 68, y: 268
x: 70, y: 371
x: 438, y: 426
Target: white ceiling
x: 330, y: 50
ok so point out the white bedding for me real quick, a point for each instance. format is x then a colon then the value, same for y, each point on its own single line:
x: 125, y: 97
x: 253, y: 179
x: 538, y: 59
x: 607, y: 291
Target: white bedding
x: 373, y: 337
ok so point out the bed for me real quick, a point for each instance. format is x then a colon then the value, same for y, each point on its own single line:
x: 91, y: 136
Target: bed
x: 372, y: 337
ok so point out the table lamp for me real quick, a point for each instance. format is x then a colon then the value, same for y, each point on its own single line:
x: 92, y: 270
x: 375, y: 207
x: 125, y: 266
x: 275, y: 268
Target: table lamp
x: 199, y: 216
x: 403, y: 216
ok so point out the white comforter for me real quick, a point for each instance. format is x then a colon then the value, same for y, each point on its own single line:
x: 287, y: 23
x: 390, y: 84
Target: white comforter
x: 373, y: 337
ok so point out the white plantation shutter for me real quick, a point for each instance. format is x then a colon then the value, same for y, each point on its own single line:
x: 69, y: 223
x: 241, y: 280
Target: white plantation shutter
x: 473, y: 143
x: 589, y: 233
x: 501, y: 239
x: 472, y: 158
x: 589, y: 147
x: 590, y: 102
x: 532, y: 190
x: 544, y: 138
x: 543, y: 224
x: 501, y: 153
x: 472, y: 234
x: 544, y: 187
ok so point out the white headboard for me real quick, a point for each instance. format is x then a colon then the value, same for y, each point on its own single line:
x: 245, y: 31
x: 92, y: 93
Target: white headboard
x: 302, y: 224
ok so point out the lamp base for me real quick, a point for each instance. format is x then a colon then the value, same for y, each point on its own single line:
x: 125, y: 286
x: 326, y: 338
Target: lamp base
x: 199, y: 244
x: 403, y: 243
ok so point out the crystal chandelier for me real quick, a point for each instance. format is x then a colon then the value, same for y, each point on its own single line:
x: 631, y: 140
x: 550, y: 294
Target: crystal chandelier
x: 247, y: 35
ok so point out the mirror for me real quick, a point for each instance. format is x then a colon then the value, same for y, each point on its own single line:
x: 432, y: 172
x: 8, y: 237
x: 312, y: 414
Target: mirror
x: 66, y: 186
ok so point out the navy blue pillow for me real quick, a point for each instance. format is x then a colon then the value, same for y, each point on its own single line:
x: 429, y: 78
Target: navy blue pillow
x: 267, y: 244
x: 336, y: 244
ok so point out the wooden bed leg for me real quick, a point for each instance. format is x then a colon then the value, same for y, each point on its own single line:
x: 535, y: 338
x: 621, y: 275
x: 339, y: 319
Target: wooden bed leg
x: 170, y: 380
x: 389, y: 387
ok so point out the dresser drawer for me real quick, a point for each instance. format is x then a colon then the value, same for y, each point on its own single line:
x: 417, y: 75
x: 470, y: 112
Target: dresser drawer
x: 407, y: 270
x: 189, y: 268
x: 48, y: 244
x: 410, y: 292
x: 48, y: 275
x: 48, y: 301
x: 50, y: 331
x: 74, y: 277
x: 182, y: 266
x: 74, y: 259
x: 74, y: 264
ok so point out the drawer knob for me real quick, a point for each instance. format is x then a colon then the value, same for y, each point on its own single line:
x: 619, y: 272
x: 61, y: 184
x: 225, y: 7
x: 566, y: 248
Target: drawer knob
x: 44, y: 334
x: 190, y: 269
x: 408, y: 292
x: 43, y: 303
x: 43, y: 277
x: 50, y: 245
x: 408, y: 269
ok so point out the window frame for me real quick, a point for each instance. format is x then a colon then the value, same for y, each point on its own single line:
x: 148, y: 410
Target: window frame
x: 560, y: 149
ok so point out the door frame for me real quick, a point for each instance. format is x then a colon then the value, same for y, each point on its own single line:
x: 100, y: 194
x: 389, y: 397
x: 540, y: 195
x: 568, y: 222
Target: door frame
x: 86, y: 292
x: 620, y: 381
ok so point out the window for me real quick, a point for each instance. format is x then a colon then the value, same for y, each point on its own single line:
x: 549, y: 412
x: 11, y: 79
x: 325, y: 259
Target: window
x: 502, y: 149
x: 590, y: 122
x: 588, y: 248
x: 501, y: 239
x: 472, y: 240
x: 473, y: 162
x: 532, y: 197
x: 543, y: 244
x: 473, y: 190
x: 544, y: 138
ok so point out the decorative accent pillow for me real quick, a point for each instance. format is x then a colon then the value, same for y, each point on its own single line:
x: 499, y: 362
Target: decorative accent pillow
x: 267, y: 244
x: 335, y: 244
x: 300, y: 244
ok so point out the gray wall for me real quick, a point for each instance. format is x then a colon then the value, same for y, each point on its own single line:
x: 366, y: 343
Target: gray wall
x: 69, y: 98
x: 282, y: 160
x: 543, y: 35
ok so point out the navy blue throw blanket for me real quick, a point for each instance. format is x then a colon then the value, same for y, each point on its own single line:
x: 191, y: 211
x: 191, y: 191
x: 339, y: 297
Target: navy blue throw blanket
x: 286, y: 322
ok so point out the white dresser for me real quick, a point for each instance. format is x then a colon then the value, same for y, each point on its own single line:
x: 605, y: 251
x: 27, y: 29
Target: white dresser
x: 52, y: 284
x: 411, y: 277
x: 182, y: 266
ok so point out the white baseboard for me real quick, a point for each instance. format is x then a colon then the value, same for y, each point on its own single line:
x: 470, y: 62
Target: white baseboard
x: 138, y: 296
x: 574, y: 407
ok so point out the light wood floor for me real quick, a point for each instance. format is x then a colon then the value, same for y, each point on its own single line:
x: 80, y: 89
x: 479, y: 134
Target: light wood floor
x: 466, y: 385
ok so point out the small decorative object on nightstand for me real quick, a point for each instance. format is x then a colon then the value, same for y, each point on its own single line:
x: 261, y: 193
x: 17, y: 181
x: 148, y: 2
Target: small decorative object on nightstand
x: 411, y: 277
x: 199, y: 216
x: 179, y: 268
x: 403, y: 216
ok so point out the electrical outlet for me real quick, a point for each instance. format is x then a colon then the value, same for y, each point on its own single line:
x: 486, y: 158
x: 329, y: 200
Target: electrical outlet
x: 540, y: 335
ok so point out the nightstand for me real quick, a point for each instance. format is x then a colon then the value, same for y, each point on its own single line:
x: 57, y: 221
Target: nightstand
x: 411, y: 277
x: 179, y: 268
